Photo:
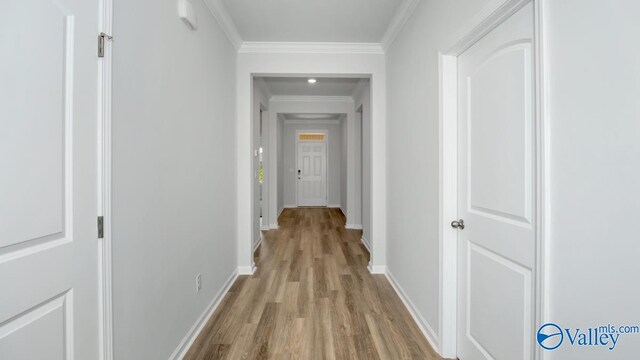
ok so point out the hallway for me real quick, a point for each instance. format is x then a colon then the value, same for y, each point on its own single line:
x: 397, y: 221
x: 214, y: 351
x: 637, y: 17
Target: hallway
x: 311, y: 297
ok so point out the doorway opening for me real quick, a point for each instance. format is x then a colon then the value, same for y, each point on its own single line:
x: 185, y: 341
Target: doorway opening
x: 315, y: 142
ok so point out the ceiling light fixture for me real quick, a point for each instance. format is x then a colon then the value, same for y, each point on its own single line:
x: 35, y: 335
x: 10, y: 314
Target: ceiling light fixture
x: 311, y: 81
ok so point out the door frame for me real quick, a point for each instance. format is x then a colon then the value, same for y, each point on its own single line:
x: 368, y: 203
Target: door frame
x: 492, y: 15
x: 104, y: 162
x: 326, y: 159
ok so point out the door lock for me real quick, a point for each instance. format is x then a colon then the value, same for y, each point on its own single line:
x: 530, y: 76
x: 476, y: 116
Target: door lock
x: 457, y: 224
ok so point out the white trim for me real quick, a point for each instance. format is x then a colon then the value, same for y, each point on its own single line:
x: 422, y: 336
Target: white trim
x: 276, y: 225
x: 334, y: 206
x: 246, y: 270
x: 197, y: 327
x: 311, y: 122
x: 377, y: 269
x: 448, y: 204
x: 353, y: 226
x: 255, y: 246
x: 365, y: 242
x: 398, y: 22
x: 487, y: 19
x: 104, y: 173
x: 423, y: 325
x: 492, y: 15
x: 543, y: 179
x: 311, y: 98
x: 310, y: 47
x: 219, y: 12
x: 290, y: 206
x: 343, y: 212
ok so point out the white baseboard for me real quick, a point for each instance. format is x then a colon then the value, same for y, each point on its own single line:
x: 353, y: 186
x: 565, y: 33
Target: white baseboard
x: 343, y: 212
x: 334, y: 206
x: 290, y: 206
x: 354, y: 226
x: 265, y: 228
x: 423, y: 325
x: 195, y: 330
x: 246, y: 270
x: 255, y: 246
x: 275, y: 226
x: 377, y: 269
x: 365, y: 242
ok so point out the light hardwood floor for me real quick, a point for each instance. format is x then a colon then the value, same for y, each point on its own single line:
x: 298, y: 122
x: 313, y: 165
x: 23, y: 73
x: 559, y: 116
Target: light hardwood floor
x: 311, y: 297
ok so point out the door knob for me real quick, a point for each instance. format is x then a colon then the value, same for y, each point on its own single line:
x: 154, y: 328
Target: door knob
x: 457, y: 224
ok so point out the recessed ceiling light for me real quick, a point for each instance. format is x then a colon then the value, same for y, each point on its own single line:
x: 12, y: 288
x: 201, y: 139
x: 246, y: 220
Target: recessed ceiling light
x: 311, y: 81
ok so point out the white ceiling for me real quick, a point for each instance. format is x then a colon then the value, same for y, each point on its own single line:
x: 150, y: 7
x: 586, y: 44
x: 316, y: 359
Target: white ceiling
x: 298, y: 86
x: 357, y: 21
x: 315, y: 116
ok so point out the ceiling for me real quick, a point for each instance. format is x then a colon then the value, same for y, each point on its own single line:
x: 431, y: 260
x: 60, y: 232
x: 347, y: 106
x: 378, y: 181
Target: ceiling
x: 315, y: 116
x: 298, y: 86
x: 356, y: 21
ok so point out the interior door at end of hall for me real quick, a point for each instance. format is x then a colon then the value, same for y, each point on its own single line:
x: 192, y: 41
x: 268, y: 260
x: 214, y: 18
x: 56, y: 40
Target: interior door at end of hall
x: 312, y: 173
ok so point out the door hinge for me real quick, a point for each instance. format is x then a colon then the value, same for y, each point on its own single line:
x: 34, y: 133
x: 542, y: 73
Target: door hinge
x: 101, y: 38
x: 100, y: 227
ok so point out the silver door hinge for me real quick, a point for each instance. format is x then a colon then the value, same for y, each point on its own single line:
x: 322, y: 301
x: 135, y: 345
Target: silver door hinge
x: 100, y: 227
x: 101, y: 38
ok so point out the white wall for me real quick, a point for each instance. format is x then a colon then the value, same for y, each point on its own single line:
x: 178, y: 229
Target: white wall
x: 334, y: 151
x: 300, y: 62
x: 174, y: 173
x: 413, y: 154
x: 594, y: 115
x: 362, y: 98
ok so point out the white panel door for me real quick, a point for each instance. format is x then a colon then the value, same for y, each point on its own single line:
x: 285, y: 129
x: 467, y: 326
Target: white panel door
x: 48, y: 180
x: 312, y: 173
x: 496, y: 248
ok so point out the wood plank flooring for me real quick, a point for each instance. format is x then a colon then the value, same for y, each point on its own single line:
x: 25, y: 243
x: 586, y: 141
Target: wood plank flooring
x: 311, y: 297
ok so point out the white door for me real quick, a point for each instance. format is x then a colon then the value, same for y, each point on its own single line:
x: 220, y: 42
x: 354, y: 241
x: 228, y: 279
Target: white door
x: 312, y: 173
x: 496, y: 248
x: 48, y: 180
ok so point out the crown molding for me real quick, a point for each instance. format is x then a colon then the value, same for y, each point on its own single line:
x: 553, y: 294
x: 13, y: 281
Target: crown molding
x: 398, y: 21
x: 219, y: 12
x: 301, y: 98
x: 310, y: 47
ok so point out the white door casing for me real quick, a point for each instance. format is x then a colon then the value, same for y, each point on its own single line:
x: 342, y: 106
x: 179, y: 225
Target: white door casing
x: 496, y: 193
x: 49, y: 281
x: 312, y: 173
